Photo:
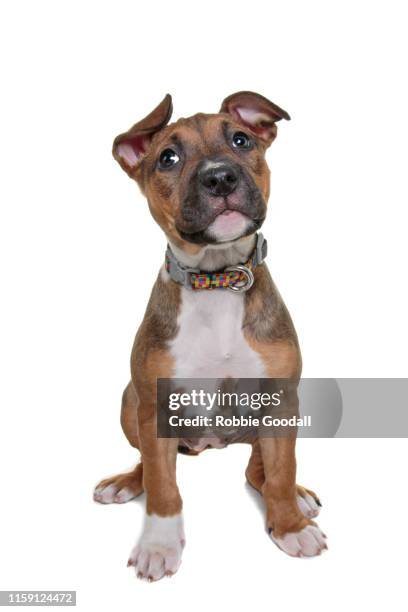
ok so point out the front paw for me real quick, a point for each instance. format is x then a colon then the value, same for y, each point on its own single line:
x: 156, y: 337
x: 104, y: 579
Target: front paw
x: 308, y: 542
x: 158, y: 552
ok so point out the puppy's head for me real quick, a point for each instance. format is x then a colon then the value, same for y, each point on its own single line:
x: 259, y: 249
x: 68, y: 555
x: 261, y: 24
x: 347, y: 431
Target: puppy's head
x: 205, y: 177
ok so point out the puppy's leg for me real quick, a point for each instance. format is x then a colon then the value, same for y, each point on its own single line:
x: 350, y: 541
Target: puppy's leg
x: 294, y: 533
x: 158, y: 552
x: 308, y: 502
x: 255, y: 471
x: 123, y: 487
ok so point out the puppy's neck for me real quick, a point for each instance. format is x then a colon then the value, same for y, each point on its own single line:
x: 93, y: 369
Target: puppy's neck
x: 217, y: 256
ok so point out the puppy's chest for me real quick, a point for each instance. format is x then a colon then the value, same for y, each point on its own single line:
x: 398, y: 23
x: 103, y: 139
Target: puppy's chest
x: 210, y: 342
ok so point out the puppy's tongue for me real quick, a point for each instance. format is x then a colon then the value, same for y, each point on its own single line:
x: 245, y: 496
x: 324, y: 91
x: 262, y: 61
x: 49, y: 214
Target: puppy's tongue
x: 229, y: 225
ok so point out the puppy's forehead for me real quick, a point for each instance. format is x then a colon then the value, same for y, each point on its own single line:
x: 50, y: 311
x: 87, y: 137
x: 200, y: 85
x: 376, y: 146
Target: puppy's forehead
x: 200, y: 130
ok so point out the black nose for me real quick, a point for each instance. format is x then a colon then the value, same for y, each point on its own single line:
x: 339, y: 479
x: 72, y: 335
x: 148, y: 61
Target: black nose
x: 219, y: 180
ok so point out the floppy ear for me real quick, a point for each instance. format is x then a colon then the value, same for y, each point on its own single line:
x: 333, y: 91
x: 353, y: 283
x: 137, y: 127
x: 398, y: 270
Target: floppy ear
x: 129, y: 147
x: 255, y: 112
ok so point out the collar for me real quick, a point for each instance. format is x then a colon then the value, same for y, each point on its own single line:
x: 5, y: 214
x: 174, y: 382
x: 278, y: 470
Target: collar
x: 237, y: 278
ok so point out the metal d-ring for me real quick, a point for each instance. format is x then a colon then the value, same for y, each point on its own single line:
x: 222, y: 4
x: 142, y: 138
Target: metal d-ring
x: 249, y: 277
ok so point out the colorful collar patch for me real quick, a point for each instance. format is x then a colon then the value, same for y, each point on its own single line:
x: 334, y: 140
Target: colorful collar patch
x: 236, y: 278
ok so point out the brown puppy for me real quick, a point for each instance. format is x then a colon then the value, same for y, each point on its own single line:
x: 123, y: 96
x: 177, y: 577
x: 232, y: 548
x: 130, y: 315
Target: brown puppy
x: 207, y: 184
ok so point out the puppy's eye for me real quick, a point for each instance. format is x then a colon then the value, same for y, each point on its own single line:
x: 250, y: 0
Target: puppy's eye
x: 241, y: 141
x: 168, y: 158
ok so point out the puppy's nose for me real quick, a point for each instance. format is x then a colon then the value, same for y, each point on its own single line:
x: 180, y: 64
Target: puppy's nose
x: 219, y: 181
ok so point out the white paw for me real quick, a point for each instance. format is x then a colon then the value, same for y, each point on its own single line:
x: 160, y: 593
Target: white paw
x: 158, y: 552
x: 111, y: 495
x: 308, y: 542
x: 308, y: 505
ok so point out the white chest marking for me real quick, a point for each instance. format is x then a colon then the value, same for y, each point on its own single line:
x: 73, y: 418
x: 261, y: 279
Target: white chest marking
x: 210, y: 342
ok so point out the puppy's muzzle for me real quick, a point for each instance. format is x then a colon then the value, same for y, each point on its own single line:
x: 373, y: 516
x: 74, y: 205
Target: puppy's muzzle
x: 220, y: 189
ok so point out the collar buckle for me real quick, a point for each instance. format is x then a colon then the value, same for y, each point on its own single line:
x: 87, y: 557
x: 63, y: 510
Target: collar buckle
x: 241, y: 284
x: 261, y: 249
x: 179, y: 273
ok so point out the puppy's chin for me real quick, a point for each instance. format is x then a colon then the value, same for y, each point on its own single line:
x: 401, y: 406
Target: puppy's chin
x: 229, y: 226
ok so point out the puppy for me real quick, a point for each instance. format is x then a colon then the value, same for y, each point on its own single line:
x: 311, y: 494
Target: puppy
x: 214, y: 312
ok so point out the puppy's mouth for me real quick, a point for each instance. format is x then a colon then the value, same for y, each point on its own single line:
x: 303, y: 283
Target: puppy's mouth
x: 228, y: 226
x: 227, y: 219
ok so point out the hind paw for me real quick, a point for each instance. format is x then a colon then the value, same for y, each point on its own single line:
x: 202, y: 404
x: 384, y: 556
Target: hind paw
x: 119, y: 489
x: 308, y: 502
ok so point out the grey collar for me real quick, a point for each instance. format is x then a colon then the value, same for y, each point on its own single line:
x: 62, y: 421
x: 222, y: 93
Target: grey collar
x: 236, y: 278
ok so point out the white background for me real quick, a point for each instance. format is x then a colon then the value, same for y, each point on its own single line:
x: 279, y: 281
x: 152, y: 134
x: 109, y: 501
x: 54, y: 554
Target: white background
x: 79, y: 254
